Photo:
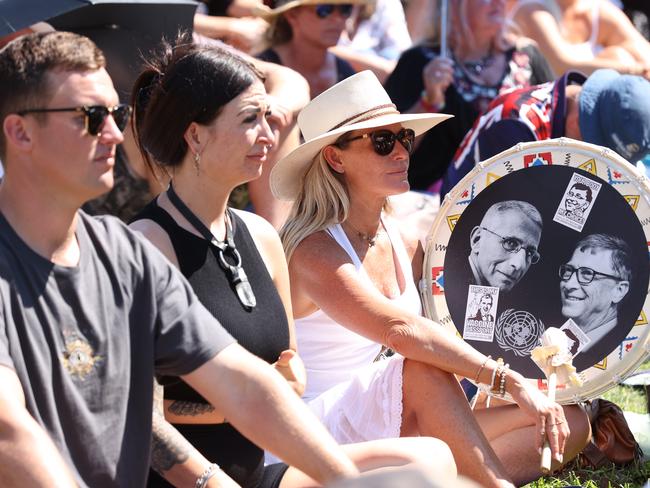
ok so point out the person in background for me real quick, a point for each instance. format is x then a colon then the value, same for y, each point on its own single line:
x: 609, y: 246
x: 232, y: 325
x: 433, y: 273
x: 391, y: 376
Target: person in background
x: 233, y: 22
x: 607, y: 109
x: 583, y: 35
x: 481, y: 64
x: 374, y: 37
x: 201, y: 114
x: 301, y: 33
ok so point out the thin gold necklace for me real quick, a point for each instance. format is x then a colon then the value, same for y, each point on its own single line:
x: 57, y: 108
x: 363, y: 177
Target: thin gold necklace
x: 370, y: 239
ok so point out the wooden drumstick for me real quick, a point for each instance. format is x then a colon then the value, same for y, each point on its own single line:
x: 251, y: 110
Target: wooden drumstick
x: 545, y: 462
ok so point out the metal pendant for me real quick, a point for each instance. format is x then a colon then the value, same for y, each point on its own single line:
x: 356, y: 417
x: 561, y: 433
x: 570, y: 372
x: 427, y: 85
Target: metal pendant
x: 238, y: 277
x: 243, y: 287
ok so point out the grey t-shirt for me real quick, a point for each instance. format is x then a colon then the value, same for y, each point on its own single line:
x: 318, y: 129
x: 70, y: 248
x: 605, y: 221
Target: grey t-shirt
x: 86, y: 341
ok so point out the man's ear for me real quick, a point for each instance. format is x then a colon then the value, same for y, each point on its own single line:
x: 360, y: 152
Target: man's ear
x: 474, y: 237
x: 17, y: 131
x: 620, y: 290
x: 332, y: 155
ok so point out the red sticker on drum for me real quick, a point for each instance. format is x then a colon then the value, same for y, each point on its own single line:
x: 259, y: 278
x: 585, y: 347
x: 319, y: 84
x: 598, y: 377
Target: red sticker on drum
x: 538, y: 159
x: 438, y: 280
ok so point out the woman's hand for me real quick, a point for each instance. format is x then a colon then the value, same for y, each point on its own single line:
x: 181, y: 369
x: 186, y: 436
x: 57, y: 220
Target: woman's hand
x: 292, y: 368
x: 550, y: 422
x: 437, y: 75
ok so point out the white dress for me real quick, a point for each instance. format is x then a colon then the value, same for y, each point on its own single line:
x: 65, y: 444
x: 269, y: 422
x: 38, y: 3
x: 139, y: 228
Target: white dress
x: 356, y: 398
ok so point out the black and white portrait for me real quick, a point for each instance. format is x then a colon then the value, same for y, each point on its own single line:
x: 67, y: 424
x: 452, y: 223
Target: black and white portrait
x: 548, y: 272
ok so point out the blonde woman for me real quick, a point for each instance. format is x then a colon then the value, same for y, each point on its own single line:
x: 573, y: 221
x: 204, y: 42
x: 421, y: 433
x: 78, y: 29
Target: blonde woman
x: 353, y: 276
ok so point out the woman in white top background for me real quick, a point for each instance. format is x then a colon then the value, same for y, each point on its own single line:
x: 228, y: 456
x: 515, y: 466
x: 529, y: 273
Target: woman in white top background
x: 585, y: 35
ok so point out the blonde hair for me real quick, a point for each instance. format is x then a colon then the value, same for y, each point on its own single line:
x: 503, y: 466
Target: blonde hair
x: 323, y: 201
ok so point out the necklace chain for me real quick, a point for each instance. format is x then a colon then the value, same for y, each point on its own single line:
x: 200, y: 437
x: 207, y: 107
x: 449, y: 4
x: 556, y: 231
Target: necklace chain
x: 477, y: 67
x: 370, y: 239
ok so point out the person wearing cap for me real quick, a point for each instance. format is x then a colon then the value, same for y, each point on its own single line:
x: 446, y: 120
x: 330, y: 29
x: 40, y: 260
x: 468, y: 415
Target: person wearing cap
x: 301, y: 33
x: 607, y: 109
x: 353, y: 287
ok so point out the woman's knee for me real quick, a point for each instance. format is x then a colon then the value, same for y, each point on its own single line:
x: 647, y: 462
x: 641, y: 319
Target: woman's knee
x: 580, y: 430
x: 431, y: 454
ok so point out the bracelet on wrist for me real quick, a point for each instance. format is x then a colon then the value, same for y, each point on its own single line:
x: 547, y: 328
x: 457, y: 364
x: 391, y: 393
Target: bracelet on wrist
x: 428, y: 105
x: 480, y: 370
x: 209, y: 472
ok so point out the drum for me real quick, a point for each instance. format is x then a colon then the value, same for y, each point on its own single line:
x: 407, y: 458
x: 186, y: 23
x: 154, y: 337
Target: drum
x: 551, y: 233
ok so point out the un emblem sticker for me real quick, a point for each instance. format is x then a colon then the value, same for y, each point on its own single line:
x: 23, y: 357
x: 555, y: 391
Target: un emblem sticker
x: 518, y: 331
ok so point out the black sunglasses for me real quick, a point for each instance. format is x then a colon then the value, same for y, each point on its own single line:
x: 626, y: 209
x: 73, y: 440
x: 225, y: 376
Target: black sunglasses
x: 383, y: 140
x: 324, y: 10
x: 94, y: 115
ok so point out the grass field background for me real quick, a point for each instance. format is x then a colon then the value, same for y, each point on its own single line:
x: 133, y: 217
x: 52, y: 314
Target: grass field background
x: 631, y: 399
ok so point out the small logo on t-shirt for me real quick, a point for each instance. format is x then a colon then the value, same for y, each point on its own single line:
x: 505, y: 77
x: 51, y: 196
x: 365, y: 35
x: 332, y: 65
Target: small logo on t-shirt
x: 79, y: 358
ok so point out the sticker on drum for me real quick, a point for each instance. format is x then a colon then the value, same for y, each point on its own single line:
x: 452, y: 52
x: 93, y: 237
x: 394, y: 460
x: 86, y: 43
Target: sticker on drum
x: 550, y: 233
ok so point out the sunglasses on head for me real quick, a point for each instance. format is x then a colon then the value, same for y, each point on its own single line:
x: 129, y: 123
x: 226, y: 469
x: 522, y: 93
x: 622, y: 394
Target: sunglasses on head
x: 383, y: 140
x: 326, y: 9
x: 94, y: 115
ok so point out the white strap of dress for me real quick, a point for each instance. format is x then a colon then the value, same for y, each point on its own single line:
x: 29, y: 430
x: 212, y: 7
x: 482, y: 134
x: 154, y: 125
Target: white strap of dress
x: 341, y: 238
x: 400, y: 250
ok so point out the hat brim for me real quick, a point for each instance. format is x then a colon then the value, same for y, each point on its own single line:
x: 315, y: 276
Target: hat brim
x: 268, y: 13
x: 287, y: 175
x: 589, y: 107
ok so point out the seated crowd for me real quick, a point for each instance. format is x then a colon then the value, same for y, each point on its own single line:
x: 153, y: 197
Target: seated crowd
x: 234, y: 332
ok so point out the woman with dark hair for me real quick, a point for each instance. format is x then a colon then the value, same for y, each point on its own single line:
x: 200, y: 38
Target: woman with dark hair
x: 201, y: 115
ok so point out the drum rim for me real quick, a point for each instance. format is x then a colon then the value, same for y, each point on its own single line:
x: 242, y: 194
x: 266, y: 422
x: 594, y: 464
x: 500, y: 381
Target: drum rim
x: 629, y: 363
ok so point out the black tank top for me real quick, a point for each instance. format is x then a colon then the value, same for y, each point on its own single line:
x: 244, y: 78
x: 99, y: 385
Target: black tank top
x: 263, y: 331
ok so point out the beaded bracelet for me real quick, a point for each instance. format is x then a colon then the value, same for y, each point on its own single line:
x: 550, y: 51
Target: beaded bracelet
x: 428, y: 105
x: 209, y: 472
x: 502, y: 382
x: 482, y: 368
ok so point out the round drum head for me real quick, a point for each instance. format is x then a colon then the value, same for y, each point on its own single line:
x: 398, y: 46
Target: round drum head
x: 551, y: 233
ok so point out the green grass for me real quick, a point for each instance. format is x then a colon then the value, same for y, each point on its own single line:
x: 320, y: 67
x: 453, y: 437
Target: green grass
x: 629, y: 399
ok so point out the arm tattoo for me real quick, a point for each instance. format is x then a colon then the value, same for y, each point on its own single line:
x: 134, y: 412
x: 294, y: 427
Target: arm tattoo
x: 190, y: 408
x: 168, y: 446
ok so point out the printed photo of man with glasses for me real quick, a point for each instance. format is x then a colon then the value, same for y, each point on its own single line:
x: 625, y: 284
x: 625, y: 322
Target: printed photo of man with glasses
x: 593, y: 283
x: 504, y: 245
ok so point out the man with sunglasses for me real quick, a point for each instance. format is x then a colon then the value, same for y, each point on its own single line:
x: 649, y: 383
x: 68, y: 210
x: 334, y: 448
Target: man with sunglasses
x: 301, y: 34
x: 504, y: 245
x: 89, y: 311
x: 594, y: 282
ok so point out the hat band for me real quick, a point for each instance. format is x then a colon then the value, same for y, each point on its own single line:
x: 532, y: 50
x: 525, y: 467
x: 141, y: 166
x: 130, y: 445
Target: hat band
x: 373, y: 113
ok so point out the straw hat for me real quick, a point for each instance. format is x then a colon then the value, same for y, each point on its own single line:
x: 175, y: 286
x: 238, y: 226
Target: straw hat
x: 268, y: 13
x: 358, y: 102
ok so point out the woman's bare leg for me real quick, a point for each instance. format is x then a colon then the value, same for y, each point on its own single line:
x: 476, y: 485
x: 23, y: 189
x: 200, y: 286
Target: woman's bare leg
x: 434, y: 405
x: 513, y: 436
x: 429, y: 455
